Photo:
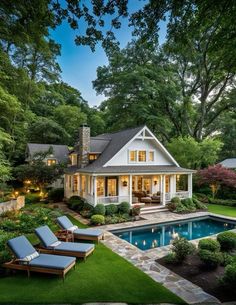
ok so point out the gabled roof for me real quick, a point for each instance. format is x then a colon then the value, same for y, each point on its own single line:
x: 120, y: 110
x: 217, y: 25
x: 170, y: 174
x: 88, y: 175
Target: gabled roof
x: 229, y: 163
x: 60, y: 152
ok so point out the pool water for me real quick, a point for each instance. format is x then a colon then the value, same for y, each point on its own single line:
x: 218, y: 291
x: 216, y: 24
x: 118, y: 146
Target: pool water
x: 161, y: 235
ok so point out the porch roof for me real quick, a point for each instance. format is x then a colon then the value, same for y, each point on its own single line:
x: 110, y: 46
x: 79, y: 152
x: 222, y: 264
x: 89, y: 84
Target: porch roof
x: 138, y: 169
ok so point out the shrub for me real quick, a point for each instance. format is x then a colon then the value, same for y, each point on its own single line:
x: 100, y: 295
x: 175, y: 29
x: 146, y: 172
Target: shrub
x: 209, y: 258
x: 56, y: 195
x: 182, y: 248
x: 77, y: 203
x: 199, y: 205
x: 170, y: 258
x: 227, y: 202
x: 229, y: 277
x: 98, y: 219
x: 176, y: 200
x: 188, y: 203
x: 209, y: 244
x: 111, y: 209
x: 5, y: 254
x: 227, y: 240
x: 124, y: 207
x: 136, y: 211
x: 32, y: 198
x: 226, y: 259
x: 202, y: 197
x: 171, y: 206
x: 181, y: 208
x: 118, y: 218
x: 99, y: 209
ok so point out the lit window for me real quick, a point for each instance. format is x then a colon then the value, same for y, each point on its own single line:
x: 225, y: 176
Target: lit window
x: 142, y: 156
x: 75, y: 183
x: 132, y: 156
x: 151, y: 156
x: 100, y: 187
x: 92, y: 157
x: 73, y: 159
x: 51, y: 162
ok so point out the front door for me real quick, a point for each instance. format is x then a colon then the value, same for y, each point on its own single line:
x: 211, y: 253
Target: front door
x: 111, y: 186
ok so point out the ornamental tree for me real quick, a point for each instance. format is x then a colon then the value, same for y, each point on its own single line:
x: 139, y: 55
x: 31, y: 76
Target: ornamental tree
x: 217, y: 176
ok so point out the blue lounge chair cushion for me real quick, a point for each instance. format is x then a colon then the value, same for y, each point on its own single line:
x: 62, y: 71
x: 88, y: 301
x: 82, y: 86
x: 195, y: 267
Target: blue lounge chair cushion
x: 88, y: 232
x: 74, y: 247
x: 21, y: 247
x: 66, y: 224
x: 46, y: 236
x: 52, y: 261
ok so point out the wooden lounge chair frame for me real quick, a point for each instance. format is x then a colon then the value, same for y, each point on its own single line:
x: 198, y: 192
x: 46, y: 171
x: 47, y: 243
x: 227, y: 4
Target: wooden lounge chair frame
x: 76, y: 254
x: 85, y: 237
x: 15, y: 264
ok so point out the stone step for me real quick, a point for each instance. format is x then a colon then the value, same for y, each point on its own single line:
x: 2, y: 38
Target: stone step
x: 153, y: 209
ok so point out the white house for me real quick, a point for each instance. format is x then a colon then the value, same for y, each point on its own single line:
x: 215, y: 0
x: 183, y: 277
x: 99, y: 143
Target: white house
x: 130, y: 165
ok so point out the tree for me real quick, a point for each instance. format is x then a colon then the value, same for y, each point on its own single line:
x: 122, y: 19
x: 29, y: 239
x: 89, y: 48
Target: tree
x: 69, y: 118
x: 46, y: 131
x: 38, y: 172
x: 216, y: 176
x: 192, y: 154
x: 5, y: 168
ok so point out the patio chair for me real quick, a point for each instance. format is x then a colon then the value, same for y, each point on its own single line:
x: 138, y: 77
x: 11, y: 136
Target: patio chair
x: 27, y: 258
x: 86, y: 234
x: 51, y: 244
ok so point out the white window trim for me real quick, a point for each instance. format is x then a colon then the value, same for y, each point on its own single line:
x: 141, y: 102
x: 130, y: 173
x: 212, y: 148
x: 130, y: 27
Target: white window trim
x: 137, y: 154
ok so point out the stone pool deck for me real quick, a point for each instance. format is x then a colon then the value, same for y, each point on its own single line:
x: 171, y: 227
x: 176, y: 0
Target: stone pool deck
x: 146, y: 260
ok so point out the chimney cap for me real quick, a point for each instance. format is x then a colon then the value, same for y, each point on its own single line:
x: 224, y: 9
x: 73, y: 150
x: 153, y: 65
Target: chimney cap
x: 84, y: 125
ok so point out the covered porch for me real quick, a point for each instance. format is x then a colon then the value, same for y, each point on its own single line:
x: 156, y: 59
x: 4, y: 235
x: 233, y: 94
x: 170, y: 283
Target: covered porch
x: 147, y: 189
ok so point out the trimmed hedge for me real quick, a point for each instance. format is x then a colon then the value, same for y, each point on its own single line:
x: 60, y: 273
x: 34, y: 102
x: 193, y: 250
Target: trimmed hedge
x: 124, y: 208
x: 229, y: 277
x: 227, y: 202
x: 209, y: 244
x: 210, y: 258
x: 111, y: 209
x: 227, y: 240
x: 99, y: 209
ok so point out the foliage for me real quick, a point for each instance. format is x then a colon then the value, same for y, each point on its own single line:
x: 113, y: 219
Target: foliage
x: 227, y: 240
x: 56, y: 195
x: 216, y: 176
x: 175, y: 200
x: 135, y: 211
x: 117, y: 218
x: 182, y: 248
x: 170, y: 258
x: 124, y: 208
x: 227, y: 202
x: 209, y: 258
x: 188, y: 203
x: 198, y: 204
x: 209, y: 244
x: 229, y: 277
x: 180, y: 209
x: 5, y: 254
x: 111, y: 209
x: 32, y: 198
x: 226, y: 259
x: 97, y: 219
x: 193, y: 154
x: 99, y: 209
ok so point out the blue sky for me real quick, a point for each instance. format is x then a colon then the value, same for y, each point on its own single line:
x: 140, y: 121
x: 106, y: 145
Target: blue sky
x: 79, y: 63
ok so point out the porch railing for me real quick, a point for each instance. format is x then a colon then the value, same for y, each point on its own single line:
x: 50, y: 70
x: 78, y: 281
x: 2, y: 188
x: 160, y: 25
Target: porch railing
x: 181, y: 195
x: 112, y: 199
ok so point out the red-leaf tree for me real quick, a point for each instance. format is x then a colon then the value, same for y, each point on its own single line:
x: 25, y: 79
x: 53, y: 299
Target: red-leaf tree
x: 216, y: 176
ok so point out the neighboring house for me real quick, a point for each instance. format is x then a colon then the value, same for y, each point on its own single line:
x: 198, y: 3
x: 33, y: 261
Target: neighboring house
x: 59, y: 154
x: 229, y: 163
x: 130, y: 165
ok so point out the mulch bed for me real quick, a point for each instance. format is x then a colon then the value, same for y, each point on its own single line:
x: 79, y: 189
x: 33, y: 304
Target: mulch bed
x: 208, y: 279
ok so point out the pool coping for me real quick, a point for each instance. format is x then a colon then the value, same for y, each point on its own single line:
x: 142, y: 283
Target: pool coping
x: 146, y: 260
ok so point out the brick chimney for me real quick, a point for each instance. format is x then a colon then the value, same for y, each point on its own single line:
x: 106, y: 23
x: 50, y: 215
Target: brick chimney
x: 84, y: 145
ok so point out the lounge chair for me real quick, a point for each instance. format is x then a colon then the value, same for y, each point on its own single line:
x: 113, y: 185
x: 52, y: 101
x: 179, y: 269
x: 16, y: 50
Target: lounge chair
x: 51, y: 244
x: 86, y: 234
x: 27, y: 258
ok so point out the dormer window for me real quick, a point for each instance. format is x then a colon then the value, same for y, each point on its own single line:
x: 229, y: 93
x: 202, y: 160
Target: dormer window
x: 51, y: 162
x: 92, y: 157
x: 136, y: 156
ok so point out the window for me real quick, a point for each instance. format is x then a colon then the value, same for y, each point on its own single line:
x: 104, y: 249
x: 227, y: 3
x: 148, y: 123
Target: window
x: 92, y: 157
x: 100, y: 187
x: 75, y: 183
x: 133, y: 156
x: 142, y: 156
x: 73, y: 158
x: 151, y: 156
x: 51, y: 162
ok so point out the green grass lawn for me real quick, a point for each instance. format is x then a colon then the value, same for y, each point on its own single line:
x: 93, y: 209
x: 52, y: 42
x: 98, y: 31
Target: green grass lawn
x: 104, y: 277
x: 222, y: 210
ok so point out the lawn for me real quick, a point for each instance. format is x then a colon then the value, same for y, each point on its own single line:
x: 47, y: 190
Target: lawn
x: 104, y: 277
x: 222, y: 210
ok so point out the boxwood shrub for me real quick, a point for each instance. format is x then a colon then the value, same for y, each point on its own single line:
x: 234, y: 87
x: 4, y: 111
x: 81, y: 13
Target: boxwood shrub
x: 209, y: 244
x: 124, y: 208
x: 99, y: 209
x: 111, y: 209
x: 227, y: 240
x: 97, y: 219
x: 229, y: 277
x: 209, y: 258
x: 182, y: 248
x: 188, y: 203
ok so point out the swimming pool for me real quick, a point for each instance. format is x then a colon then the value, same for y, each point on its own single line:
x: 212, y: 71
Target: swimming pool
x: 153, y: 236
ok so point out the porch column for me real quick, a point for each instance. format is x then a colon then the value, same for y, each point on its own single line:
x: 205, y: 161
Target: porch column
x: 163, y: 189
x: 190, y: 185
x: 95, y: 190
x: 173, y: 185
x: 130, y: 189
